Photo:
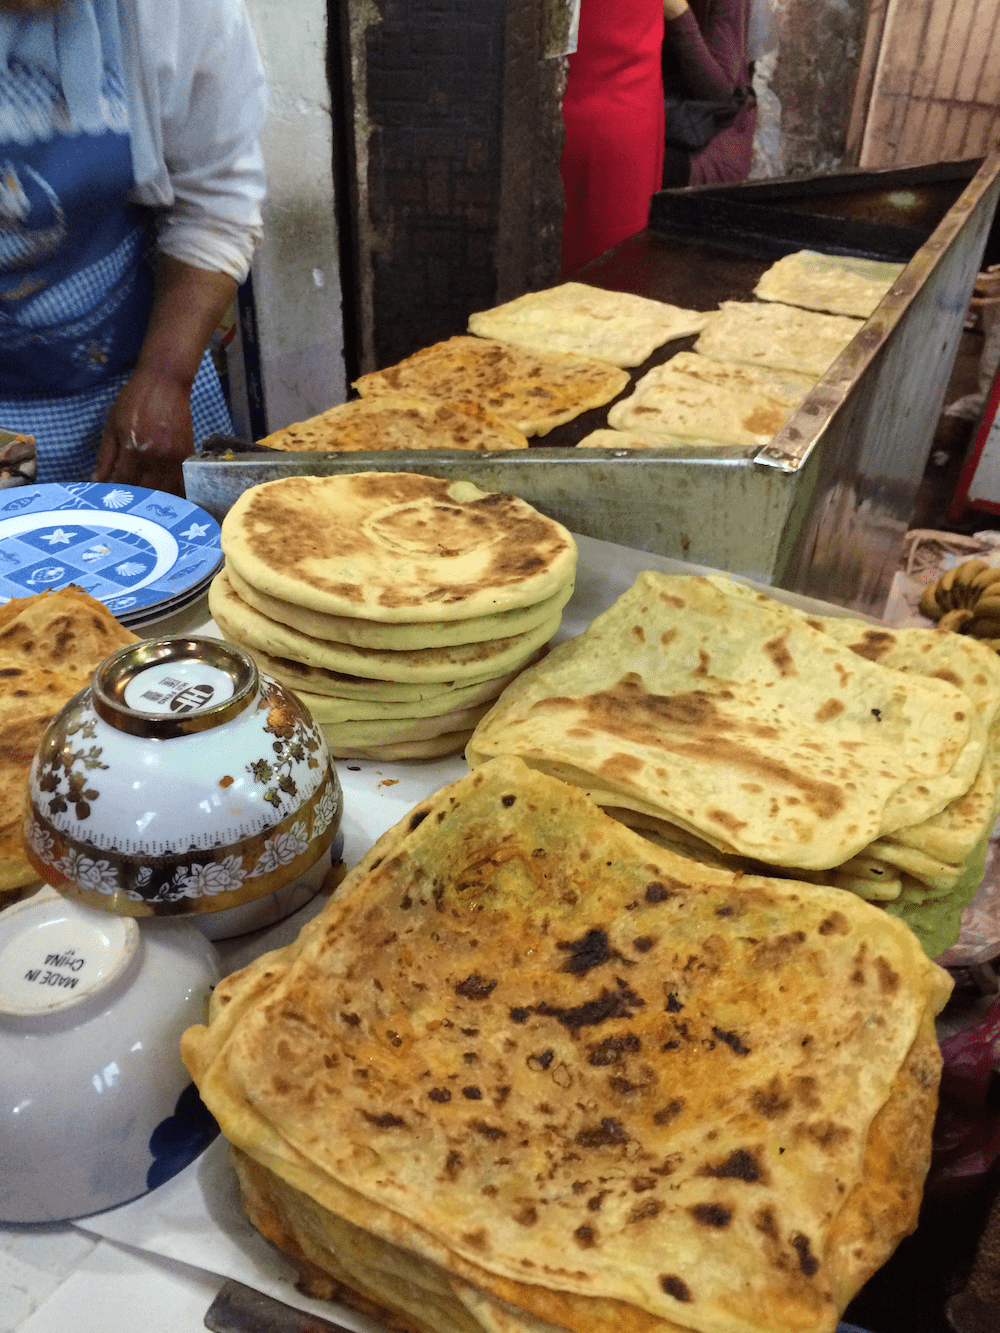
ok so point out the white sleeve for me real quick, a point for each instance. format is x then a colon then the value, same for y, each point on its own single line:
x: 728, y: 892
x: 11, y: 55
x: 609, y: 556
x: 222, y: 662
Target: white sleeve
x: 198, y: 98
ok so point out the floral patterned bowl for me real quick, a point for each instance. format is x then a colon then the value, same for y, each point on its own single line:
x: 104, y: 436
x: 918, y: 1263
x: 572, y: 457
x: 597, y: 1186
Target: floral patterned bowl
x: 181, y: 781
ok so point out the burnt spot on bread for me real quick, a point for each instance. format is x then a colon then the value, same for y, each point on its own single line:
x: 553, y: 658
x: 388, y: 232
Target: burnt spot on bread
x: 477, y: 1240
x: 733, y: 1040
x: 661, y: 891
x: 673, y: 1004
x: 643, y: 944
x: 612, y: 1049
x: 873, y: 644
x: 777, y: 650
x: 771, y: 1101
x: 764, y: 1221
x: 774, y: 954
x: 472, y: 1093
x: 593, y: 950
x: 453, y: 1166
x: 538, y: 1064
x: 526, y: 1216
x: 888, y: 979
x: 440, y: 1095
x: 834, y: 924
x: 387, y: 1120
x: 585, y: 1237
x: 671, y: 1285
x: 739, y: 1165
x: 475, y: 987
x: 644, y: 1212
x: 417, y: 818
x: 829, y: 710
x: 808, y: 1262
x: 619, y: 1003
x: 669, y: 1112
x: 711, y: 1215
x: 610, y: 1133
x: 487, y: 1131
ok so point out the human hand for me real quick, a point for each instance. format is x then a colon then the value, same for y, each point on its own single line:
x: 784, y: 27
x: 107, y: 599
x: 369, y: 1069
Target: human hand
x: 673, y: 9
x: 148, y: 433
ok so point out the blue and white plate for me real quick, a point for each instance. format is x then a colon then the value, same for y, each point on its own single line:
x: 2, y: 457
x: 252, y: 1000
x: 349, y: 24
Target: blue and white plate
x: 133, y: 549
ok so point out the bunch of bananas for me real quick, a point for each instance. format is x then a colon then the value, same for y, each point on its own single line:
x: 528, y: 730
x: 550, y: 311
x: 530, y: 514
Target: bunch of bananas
x: 966, y: 600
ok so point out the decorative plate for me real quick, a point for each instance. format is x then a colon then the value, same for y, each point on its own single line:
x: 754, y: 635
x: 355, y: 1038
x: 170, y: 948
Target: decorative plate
x: 132, y: 549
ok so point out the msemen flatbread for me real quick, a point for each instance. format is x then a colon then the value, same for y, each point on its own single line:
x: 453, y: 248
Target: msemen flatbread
x: 703, y: 702
x: 533, y: 391
x: 395, y: 547
x: 838, y: 284
x: 459, y: 662
x: 610, y: 1087
x: 422, y: 634
x: 705, y: 399
x: 618, y: 327
x: 50, y: 646
x: 782, y: 337
x: 395, y: 422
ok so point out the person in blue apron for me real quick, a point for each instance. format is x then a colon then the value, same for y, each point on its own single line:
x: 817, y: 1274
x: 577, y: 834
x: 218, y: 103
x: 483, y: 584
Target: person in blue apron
x: 130, y: 189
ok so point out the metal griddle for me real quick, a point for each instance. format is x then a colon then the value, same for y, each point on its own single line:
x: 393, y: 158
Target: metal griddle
x: 823, y: 509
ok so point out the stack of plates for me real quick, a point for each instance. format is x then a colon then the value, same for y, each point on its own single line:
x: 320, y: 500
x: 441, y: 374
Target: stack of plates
x: 144, y: 554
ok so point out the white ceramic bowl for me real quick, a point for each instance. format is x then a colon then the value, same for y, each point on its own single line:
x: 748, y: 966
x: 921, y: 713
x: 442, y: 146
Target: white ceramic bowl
x: 96, y: 1106
x: 182, y: 781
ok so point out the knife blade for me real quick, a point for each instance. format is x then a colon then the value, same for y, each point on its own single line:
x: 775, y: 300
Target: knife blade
x: 241, y: 1309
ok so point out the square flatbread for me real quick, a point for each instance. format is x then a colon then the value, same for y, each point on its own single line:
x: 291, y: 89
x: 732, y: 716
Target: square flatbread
x: 697, y: 398
x: 618, y: 327
x: 606, y: 1086
x: 395, y: 422
x: 838, y: 284
x: 782, y: 337
x: 532, y: 391
x: 711, y: 706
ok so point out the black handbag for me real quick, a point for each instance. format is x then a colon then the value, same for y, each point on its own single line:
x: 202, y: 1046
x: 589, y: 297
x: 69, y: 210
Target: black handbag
x: 691, y: 124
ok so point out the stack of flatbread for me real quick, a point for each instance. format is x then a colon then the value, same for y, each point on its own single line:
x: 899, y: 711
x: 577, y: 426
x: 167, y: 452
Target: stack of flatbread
x: 397, y: 606
x: 533, y: 391
x: 50, y: 646
x: 734, y: 728
x: 527, y: 1072
x: 391, y: 421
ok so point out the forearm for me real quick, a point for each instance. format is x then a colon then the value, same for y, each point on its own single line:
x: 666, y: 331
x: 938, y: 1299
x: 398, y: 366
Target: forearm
x: 148, y: 432
x: 189, y: 304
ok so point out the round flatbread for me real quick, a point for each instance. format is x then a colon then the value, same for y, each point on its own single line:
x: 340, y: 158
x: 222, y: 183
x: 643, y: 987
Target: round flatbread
x: 451, y: 742
x: 307, y: 680
x: 395, y: 636
x: 460, y: 662
x: 395, y: 547
x: 329, y: 708
x: 344, y: 735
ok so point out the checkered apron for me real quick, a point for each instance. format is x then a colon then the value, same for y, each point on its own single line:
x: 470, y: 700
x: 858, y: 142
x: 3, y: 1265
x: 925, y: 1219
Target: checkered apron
x: 76, y: 271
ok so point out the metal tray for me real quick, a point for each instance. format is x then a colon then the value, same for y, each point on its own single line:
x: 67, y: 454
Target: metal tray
x: 824, y: 508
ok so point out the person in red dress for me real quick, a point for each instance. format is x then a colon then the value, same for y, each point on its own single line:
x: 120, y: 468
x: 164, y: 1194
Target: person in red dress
x: 612, y: 162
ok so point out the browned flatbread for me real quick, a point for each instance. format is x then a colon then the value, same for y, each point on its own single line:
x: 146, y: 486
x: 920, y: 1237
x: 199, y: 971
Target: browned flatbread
x: 50, y: 646
x: 525, y: 1051
x: 393, y: 421
x: 532, y: 391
